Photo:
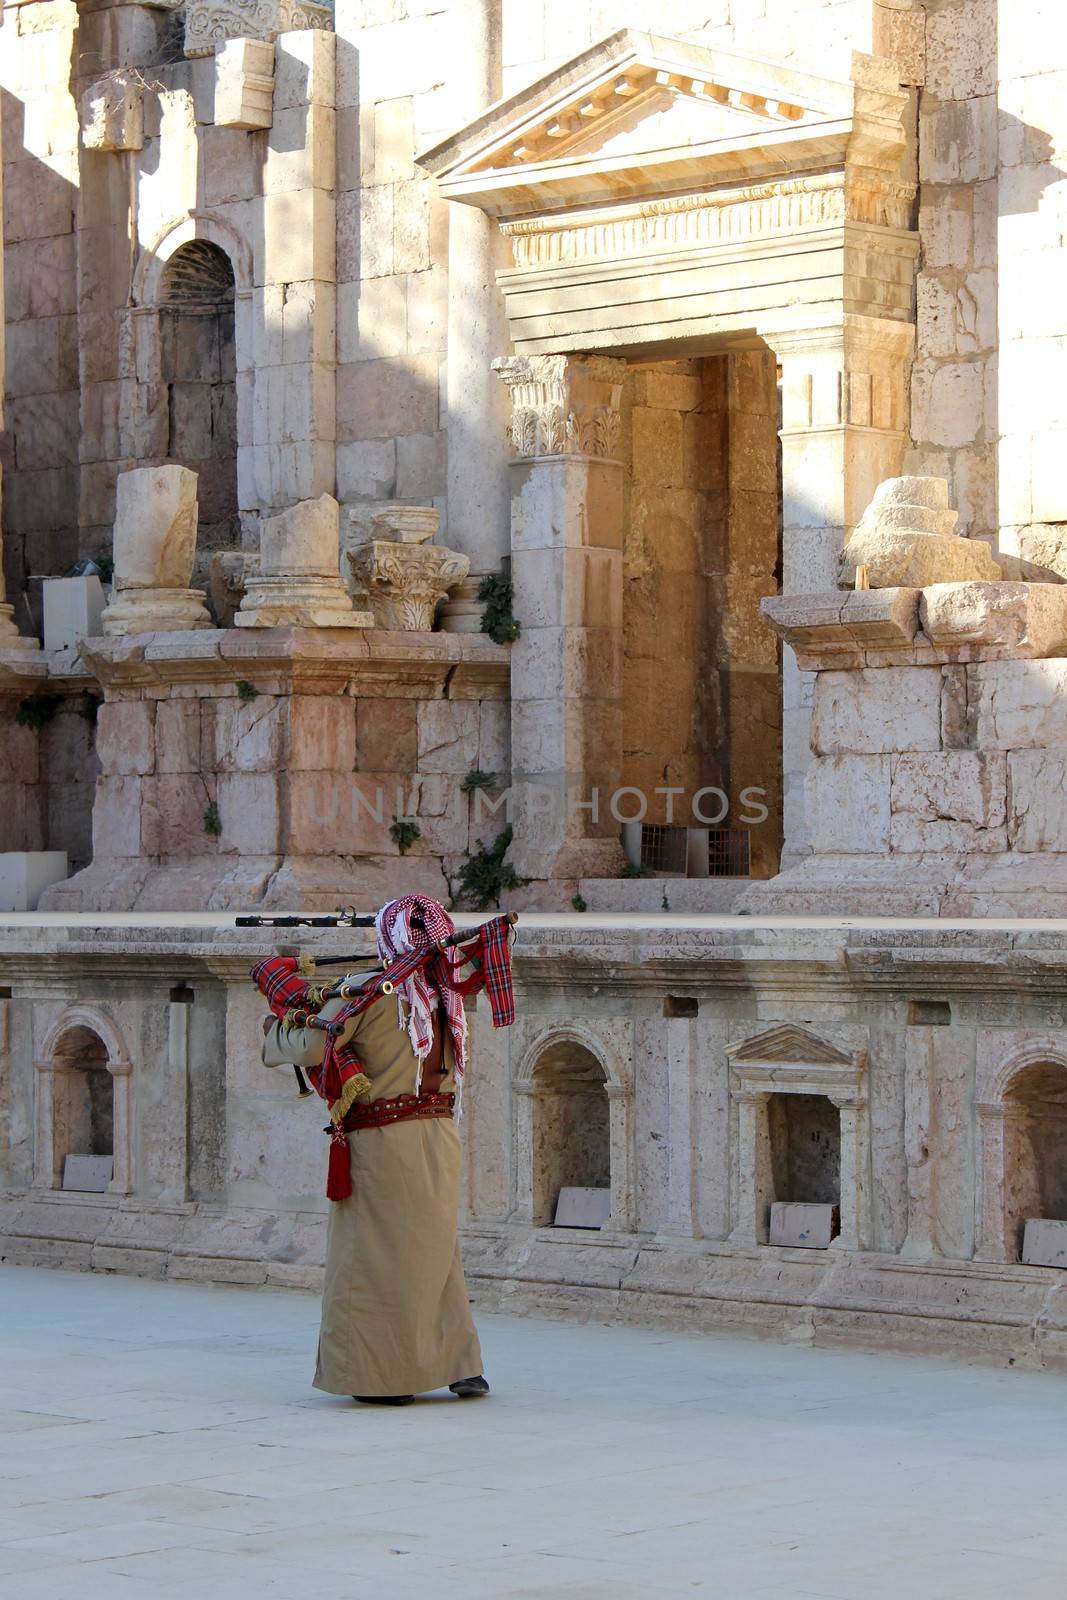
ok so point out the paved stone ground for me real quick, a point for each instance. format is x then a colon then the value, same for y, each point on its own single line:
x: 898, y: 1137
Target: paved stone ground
x: 162, y: 1440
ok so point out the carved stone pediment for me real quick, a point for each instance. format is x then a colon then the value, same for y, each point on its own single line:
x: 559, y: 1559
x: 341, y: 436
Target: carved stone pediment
x: 790, y: 1043
x: 639, y: 114
x: 793, y: 1060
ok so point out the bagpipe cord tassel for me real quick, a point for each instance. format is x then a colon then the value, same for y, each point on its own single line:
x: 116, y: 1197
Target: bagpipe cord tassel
x: 339, y: 1173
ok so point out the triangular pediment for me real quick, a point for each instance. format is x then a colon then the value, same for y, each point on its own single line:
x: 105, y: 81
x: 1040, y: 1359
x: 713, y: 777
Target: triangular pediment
x: 644, y: 113
x: 789, y: 1043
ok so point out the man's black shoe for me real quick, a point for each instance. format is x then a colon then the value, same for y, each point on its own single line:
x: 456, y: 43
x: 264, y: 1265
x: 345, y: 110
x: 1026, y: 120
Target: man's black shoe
x: 469, y: 1388
x: 384, y: 1399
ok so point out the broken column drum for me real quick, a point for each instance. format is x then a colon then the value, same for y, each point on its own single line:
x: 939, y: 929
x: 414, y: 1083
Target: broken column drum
x: 155, y: 544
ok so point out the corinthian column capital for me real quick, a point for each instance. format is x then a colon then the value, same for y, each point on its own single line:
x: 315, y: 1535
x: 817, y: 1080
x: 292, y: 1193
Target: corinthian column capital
x: 563, y: 405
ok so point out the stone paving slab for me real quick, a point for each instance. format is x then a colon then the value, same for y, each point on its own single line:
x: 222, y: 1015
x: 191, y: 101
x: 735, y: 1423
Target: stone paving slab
x: 163, y: 1439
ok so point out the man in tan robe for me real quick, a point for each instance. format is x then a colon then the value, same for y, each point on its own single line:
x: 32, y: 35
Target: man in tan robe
x: 396, y: 1317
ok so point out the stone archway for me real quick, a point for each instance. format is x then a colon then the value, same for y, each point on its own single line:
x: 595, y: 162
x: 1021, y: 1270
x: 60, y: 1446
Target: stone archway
x: 574, y: 1125
x: 1022, y: 1167
x: 73, y: 1109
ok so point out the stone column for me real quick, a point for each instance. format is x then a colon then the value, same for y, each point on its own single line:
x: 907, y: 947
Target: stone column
x: 566, y: 675
x: 620, y: 1133
x: 477, y: 518
x: 10, y: 638
x: 753, y: 1168
x: 297, y: 584
x: 853, y: 1235
x: 844, y: 429
x: 681, y: 1059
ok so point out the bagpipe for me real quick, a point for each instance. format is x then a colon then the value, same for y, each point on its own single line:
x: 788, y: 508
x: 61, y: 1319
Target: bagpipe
x: 285, y: 980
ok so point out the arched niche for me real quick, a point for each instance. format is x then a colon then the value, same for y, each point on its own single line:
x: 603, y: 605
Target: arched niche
x: 191, y: 322
x: 573, y: 1125
x: 83, y: 1097
x: 1022, y: 1121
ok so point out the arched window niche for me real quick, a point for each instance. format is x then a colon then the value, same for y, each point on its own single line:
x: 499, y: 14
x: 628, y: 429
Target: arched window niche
x: 83, y: 1098
x: 573, y: 1126
x: 1022, y: 1120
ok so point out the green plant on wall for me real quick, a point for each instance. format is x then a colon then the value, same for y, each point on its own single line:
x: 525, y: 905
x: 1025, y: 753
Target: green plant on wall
x: 497, y: 619
x: 37, y: 710
x: 212, y: 820
x: 486, y: 875
x: 632, y: 870
x: 246, y: 690
x: 477, y: 779
x: 404, y: 831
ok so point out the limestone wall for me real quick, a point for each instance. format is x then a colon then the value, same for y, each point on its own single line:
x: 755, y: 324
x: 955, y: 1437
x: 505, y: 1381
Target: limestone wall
x: 926, y: 1051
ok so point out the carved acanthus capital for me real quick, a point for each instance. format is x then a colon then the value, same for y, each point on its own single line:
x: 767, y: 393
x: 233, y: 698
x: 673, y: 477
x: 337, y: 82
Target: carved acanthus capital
x: 563, y: 405
x: 405, y: 582
x: 209, y: 23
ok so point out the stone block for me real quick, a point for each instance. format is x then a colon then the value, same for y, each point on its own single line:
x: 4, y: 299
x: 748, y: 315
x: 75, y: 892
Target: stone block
x: 948, y: 402
x: 876, y: 710
x: 427, y: 311
x: 372, y: 320
x: 422, y: 462
x: 394, y: 140
x: 322, y: 733
x: 250, y: 812
x: 73, y: 610
x: 243, y: 736
x: 947, y: 801
x: 582, y: 1208
x: 173, y: 815
x: 799, y: 1226
x: 299, y: 228
x: 367, y: 468
x: 383, y: 399
x: 387, y: 735
x: 1025, y: 619
x: 88, y: 1174
x: 244, y: 84
x: 301, y: 151
x: 305, y: 68
x: 447, y: 736
x: 1017, y: 704
x: 1045, y: 1243
x: 178, y: 735
x: 1037, y: 784
x: 26, y: 874
x: 117, y: 816
x: 112, y: 112
x: 125, y: 737
x: 847, y: 804
x: 957, y: 139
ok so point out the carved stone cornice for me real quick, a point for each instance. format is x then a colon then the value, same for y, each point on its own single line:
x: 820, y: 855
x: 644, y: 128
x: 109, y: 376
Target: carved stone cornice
x: 563, y: 405
x: 209, y: 23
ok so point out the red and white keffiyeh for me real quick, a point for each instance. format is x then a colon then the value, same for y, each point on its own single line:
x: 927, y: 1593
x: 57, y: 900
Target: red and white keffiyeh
x: 419, y: 995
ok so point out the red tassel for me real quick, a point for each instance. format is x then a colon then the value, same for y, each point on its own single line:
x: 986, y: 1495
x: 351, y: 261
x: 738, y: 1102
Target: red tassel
x: 339, y: 1174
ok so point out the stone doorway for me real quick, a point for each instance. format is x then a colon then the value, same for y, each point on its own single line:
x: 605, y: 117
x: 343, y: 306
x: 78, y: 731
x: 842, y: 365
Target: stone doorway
x: 701, y: 680
x: 83, y: 1100
x: 805, y: 1141
x: 198, y: 370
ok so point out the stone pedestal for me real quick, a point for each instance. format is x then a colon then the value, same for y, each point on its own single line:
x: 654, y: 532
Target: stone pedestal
x: 936, y: 763
x: 566, y: 564
x: 297, y: 584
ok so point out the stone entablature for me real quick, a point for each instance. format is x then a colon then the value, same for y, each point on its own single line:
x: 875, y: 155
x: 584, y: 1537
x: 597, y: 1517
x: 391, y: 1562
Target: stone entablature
x: 726, y: 192
x: 210, y: 23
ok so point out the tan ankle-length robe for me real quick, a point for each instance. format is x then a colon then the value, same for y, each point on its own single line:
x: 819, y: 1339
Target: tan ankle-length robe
x: 395, y: 1313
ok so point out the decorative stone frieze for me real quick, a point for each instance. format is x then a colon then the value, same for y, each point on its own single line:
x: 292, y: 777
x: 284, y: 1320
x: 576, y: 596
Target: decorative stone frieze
x: 210, y: 23
x: 297, y: 583
x: 905, y: 540
x: 244, y: 84
x: 155, y: 545
x: 112, y: 112
x: 563, y: 405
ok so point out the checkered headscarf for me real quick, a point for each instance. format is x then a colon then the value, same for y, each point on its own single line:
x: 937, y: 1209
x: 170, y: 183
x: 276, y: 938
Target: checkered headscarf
x: 434, y: 984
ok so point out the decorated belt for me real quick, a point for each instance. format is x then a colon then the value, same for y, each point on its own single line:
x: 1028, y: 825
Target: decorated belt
x: 404, y: 1108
